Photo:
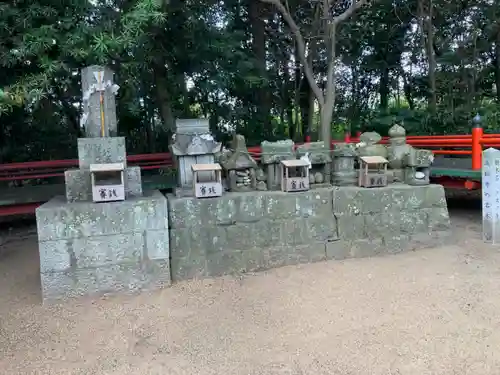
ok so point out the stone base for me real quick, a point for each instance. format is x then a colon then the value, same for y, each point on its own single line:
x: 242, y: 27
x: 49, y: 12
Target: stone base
x: 241, y: 232
x: 79, y: 188
x: 101, y: 151
x: 183, y: 192
x: 94, y: 248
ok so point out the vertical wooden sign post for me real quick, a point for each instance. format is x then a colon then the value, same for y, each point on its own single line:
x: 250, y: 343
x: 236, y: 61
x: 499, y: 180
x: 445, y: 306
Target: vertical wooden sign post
x: 491, y: 195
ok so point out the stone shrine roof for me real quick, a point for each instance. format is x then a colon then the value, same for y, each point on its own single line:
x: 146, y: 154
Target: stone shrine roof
x: 194, y: 144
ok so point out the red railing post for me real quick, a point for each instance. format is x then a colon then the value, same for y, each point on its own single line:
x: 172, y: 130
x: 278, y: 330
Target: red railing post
x: 347, y: 137
x: 477, y: 149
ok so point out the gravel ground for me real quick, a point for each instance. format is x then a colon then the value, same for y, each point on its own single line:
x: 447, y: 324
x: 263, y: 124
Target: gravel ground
x: 433, y: 311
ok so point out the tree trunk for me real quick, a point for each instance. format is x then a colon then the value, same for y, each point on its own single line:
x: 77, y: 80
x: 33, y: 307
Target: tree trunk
x: 428, y: 41
x: 163, y: 99
x: 329, y: 103
x: 257, y: 12
x: 384, y: 88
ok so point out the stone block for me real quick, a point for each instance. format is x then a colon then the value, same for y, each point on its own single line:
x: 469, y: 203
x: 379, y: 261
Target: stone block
x: 133, y: 182
x: 276, y: 256
x: 367, y: 248
x: 394, y: 244
x: 316, y: 202
x: 250, y: 207
x: 225, y: 263
x: 157, y: 244
x: 78, y: 185
x: 188, y: 268
x: 322, y: 229
x: 435, y: 196
x: 314, y: 252
x: 338, y: 250
x: 439, y: 219
x: 266, y: 233
x: 109, y: 279
x: 280, y: 205
x: 57, y: 219
x: 373, y: 201
x: 345, y: 201
x: 97, y: 251
x: 406, y: 197
x: 101, y: 150
x: 54, y: 256
x: 351, y: 227
x: 294, y: 232
x: 185, y: 212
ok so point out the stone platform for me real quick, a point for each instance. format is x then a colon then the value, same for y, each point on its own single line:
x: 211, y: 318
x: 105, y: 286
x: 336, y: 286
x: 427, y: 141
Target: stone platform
x: 88, y: 248
x: 242, y: 232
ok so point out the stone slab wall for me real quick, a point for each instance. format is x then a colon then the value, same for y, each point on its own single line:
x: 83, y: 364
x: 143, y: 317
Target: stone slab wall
x: 242, y: 232
x: 388, y: 220
x: 87, y: 248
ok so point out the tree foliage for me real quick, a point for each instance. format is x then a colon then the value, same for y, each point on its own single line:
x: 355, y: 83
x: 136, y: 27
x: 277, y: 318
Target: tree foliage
x: 432, y: 64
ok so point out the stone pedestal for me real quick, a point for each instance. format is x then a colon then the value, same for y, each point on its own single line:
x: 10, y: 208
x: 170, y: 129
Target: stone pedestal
x: 241, y: 232
x: 88, y: 248
x: 98, y: 151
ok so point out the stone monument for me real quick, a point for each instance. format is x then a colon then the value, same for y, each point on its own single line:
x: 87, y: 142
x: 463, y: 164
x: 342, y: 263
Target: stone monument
x: 320, y: 159
x: 344, y: 166
x: 491, y: 191
x: 91, y: 248
x: 193, y: 144
x: 272, y: 155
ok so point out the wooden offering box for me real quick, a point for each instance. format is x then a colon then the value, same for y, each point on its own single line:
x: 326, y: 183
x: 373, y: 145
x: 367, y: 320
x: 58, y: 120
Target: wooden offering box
x: 294, y: 175
x: 207, y: 188
x: 372, y: 171
x: 107, y: 182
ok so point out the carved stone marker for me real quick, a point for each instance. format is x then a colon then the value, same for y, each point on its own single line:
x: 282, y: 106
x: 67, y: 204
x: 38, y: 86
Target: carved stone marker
x: 491, y: 195
x: 99, y: 109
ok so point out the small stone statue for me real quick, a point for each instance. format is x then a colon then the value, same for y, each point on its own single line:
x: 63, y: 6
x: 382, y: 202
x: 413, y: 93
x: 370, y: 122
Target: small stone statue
x: 397, y: 150
x: 368, y: 145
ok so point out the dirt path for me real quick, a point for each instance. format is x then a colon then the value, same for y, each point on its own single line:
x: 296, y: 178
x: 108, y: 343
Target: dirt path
x: 426, y: 312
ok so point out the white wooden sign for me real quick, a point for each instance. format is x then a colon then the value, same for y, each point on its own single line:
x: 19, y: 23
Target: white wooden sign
x: 207, y: 189
x: 491, y: 195
x: 108, y: 193
x: 297, y: 184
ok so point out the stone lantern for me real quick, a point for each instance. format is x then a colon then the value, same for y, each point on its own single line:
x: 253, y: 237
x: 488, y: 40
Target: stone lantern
x: 344, y: 172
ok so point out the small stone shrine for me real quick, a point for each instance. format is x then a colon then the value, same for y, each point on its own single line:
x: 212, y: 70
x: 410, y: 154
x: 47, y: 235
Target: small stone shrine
x: 192, y: 144
x: 239, y: 167
x: 272, y: 155
x: 344, y: 165
x: 372, y: 171
x: 295, y: 175
x: 120, y: 243
x: 320, y: 159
